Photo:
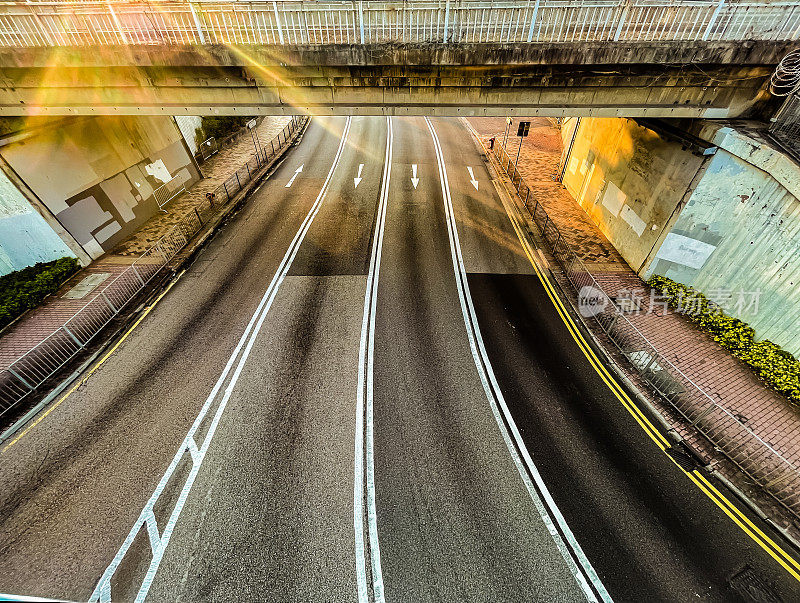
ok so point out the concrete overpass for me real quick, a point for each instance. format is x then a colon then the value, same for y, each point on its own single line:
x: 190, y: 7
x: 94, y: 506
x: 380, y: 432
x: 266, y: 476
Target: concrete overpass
x: 547, y: 57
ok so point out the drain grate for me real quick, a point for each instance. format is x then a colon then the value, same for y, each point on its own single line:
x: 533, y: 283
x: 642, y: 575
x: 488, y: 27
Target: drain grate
x: 752, y: 587
x: 683, y: 457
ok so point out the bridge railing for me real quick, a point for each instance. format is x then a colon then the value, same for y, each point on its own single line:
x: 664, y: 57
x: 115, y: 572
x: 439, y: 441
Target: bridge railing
x: 171, y: 22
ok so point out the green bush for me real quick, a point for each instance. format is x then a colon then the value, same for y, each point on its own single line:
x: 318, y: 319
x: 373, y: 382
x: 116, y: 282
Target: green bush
x: 219, y: 127
x: 774, y: 366
x: 26, y: 288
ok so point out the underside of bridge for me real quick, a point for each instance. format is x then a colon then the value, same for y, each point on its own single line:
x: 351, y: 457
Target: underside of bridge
x: 631, y: 79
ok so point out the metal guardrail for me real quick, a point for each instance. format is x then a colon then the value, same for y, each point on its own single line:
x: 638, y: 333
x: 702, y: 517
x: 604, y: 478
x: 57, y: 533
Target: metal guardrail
x: 765, y: 465
x: 785, y: 128
x: 208, y: 148
x: 168, y: 191
x: 85, y: 23
x: 26, y: 374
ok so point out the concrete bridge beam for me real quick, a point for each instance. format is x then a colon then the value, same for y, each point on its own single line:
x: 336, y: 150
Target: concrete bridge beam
x: 674, y: 79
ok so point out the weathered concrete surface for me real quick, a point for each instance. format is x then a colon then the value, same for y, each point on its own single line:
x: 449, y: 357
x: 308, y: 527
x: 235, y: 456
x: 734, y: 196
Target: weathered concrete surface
x: 97, y: 176
x: 737, y: 238
x: 726, y: 223
x: 629, y: 180
x: 655, y: 79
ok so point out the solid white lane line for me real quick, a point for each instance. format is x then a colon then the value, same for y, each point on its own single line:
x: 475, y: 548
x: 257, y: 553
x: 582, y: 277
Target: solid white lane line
x: 102, y: 591
x: 567, y: 545
x: 364, y: 417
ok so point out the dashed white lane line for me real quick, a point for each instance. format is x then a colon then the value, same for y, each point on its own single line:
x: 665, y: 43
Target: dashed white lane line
x: 567, y: 545
x: 158, y: 543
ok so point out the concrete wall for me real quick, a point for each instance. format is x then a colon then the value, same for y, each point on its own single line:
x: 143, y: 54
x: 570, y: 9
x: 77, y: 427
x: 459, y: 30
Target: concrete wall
x: 97, y: 175
x: 25, y: 237
x: 188, y: 125
x: 737, y: 240
x: 712, y: 79
x: 727, y: 224
x: 628, y: 179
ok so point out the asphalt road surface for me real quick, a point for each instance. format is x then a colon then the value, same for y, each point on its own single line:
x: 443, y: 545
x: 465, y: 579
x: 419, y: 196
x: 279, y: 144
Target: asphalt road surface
x: 362, y: 390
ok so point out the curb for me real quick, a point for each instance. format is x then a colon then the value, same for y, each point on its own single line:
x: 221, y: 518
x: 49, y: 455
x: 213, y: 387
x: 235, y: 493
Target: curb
x: 181, y: 260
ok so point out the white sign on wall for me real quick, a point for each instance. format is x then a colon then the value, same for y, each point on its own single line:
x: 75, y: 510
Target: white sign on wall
x: 685, y: 251
x: 632, y: 218
x: 613, y: 198
x: 158, y: 170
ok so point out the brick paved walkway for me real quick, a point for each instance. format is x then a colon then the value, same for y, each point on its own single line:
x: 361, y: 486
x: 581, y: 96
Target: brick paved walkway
x: 724, y: 378
x: 37, y: 324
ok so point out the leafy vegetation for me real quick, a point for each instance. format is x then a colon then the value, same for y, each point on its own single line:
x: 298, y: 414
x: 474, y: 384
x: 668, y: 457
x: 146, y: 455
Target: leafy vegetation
x: 774, y: 366
x: 219, y: 127
x: 26, y: 288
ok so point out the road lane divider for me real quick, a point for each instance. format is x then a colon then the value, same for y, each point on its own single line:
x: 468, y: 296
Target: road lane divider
x: 566, y: 543
x: 779, y: 554
x: 227, y: 379
x: 364, y: 494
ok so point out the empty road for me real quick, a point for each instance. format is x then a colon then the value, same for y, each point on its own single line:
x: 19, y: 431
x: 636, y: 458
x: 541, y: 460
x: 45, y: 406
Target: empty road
x: 364, y: 389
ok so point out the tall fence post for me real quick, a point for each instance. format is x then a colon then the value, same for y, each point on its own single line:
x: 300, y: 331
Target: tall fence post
x: 713, y: 19
x: 304, y: 12
x: 446, y: 19
x: 117, y: 22
x: 108, y: 301
x: 41, y: 29
x: 278, y: 21
x: 361, y: 19
x: 533, y: 21
x: 72, y: 336
x: 197, y: 23
x: 625, y: 8
x: 20, y: 378
x: 136, y: 272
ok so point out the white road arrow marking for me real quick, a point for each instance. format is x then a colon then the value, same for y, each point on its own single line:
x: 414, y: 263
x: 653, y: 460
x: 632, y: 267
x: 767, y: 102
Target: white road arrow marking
x: 472, y: 178
x: 357, y: 180
x: 414, y: 179
x: 297, y: 171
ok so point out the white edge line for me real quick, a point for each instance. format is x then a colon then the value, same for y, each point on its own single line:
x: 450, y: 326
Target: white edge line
x: 495, y: 397
x: 102, y: 591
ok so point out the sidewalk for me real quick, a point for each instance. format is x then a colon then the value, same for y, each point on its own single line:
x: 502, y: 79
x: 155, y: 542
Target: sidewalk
x: 40, y: 322
x: 727, y: 380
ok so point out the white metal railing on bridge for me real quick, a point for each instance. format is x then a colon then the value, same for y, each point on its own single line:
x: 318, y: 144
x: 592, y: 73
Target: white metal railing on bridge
x: 84, y: 23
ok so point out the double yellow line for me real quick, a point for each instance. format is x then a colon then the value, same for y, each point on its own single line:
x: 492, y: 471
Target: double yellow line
x: 787, y: 561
